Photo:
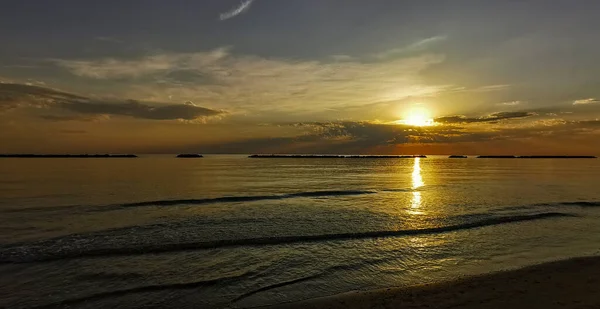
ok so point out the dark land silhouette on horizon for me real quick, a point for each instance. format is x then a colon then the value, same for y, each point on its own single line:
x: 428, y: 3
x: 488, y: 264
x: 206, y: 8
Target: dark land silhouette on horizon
x: 336, y: 156
x: 68, y: 156
x: 190, y: 155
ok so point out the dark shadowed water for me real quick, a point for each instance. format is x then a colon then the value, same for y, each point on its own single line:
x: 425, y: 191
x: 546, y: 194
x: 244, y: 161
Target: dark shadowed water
x: 229, y: 231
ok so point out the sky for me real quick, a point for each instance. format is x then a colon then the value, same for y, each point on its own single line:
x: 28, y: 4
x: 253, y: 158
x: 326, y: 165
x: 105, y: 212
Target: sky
x: 300, y: 76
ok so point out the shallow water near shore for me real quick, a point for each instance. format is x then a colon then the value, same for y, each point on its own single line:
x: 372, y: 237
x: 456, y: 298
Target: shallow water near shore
x: 230, y: 231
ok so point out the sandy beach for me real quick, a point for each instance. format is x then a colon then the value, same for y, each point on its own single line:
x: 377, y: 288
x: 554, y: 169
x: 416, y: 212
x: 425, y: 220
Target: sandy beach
x: 573, y: 283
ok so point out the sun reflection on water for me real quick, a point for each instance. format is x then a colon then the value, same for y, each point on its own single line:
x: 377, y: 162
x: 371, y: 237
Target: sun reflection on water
x: 417, y: 182
x: 416, y: 200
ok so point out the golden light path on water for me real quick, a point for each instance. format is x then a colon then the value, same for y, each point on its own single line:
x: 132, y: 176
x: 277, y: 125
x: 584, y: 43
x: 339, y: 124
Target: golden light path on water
x: 417, y: 182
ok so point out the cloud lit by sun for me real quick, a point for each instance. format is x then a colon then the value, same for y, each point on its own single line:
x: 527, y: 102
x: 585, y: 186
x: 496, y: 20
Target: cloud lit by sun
x: 418, y: 116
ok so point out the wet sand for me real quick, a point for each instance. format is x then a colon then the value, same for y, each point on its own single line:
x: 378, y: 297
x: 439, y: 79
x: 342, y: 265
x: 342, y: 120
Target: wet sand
x: 573, y: 283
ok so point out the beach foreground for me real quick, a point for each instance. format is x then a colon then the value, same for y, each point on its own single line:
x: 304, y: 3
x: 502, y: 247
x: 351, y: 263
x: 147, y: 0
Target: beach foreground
x: 573, y: 283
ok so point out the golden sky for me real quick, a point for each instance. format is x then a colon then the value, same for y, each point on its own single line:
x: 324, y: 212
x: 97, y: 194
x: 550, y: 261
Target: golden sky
x: 305, y: 77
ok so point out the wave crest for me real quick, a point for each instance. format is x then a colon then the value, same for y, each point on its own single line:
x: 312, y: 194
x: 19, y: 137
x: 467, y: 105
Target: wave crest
x: 251, y: 198
x: 27, y: 254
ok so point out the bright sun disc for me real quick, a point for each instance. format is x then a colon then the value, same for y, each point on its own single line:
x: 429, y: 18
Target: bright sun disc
x: 418, y: 117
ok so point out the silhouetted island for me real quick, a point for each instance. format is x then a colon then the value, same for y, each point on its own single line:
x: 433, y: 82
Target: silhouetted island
x: 557, y: 157
x: 457, y: 157
x: 387, y: 157
x: 190, y: 155
x: 68, y: 156
x: 337, y: 156
x: 497, y: 157
x: 537, y: 157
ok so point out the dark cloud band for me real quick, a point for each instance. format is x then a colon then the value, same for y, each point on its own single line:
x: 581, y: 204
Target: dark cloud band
x: 18, y: 95
x: 490, y: 118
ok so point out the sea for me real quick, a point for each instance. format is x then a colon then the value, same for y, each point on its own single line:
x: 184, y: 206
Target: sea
x: 228, y: 231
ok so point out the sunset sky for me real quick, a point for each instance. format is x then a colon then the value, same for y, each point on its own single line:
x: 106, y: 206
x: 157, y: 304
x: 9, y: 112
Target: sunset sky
x: 300, y: 76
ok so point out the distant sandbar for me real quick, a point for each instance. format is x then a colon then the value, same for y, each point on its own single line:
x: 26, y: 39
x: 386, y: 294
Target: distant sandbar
x: 68, y: 156
x: 337, y: 156
x: 537, y: 157
x: 190, y: 155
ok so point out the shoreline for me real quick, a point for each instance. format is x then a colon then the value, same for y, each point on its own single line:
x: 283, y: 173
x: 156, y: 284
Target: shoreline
x: 570, y: 283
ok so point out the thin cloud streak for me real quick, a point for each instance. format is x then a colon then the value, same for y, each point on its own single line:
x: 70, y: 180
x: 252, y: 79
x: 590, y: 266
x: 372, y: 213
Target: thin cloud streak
x: 243, y: 7
x: 511, y: 103
x: 417, y: 46
x: 492, y: 88
x: 586, y: 101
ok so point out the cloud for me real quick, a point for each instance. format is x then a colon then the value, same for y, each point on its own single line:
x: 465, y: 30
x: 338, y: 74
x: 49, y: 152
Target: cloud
x: 166, y: 63
x: 585, y: 101
x: 373, y: 137
x: 74, y: 117
x: 491, y: 88
x: 342, y: 58
x: 114, y: 69
x: 73, y: 131
x: 135, y: 109
x: 14, y: 96
x: 13, y: 91
x: 590, y: 123
x: 481, y: 89
x: 369, y: 134
x: 251, y: 83
x: 343, y: 137
x: 490, y: 118
x: 19, y: 95
x: 417, y: 46
x: 243, y: 7
x: 108, y: 39
x: 511, y: 103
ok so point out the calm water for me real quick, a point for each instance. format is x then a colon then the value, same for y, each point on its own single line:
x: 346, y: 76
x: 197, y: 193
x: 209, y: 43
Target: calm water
x: 228, y: 231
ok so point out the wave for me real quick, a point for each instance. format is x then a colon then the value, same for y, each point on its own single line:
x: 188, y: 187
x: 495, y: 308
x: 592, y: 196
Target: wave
x: 204, y: 283
x: 15, y: 254
x: 327, y: 271
x: 251, y: 198
x: 401, y: 190
x: 71, y: 208
x: 109, y: 276
x: 202, y: 201
x: 274, y: 286
x: 581, y: 204
x: 142, y: 289
x: 216, y: 200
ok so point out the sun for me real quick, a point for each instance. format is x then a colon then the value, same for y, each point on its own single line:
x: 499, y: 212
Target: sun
x: 419, y: 117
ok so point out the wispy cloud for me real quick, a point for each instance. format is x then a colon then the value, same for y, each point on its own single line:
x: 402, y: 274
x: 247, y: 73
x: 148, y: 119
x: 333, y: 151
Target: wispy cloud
x: 416, y: 46
x: 107, y: 39
x: 483, y: 89
x: 491, y: 88
x: 511, y: 103
x: 243, y: 7
x: 245, y: 82
x: 585, y: 101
